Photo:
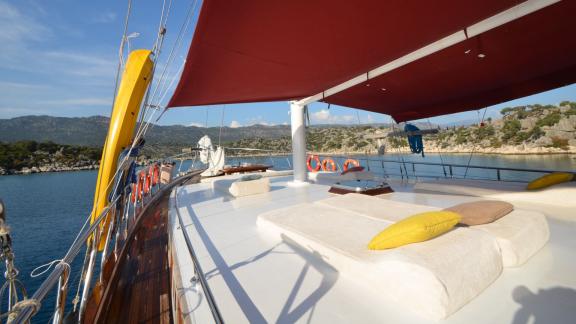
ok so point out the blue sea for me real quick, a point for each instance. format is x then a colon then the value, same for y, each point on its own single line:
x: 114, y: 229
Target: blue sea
x: 45, y: 211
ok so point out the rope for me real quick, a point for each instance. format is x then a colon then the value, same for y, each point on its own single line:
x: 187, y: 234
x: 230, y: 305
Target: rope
x: 474, y: 148
x: 19, y: 306
x: 142, y: 130
x: 49, y: 265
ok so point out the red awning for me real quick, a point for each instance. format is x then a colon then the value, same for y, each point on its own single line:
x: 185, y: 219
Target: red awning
x: 268, y: 50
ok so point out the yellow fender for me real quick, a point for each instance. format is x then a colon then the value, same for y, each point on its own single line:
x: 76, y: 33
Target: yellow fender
x: 135, y: 81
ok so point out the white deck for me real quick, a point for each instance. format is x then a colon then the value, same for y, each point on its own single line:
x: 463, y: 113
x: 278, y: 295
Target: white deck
x: 257, y: 277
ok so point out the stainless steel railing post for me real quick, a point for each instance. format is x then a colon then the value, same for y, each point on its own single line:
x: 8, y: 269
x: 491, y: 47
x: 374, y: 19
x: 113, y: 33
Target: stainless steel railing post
x: 61, y: 295
x: 89, y: 271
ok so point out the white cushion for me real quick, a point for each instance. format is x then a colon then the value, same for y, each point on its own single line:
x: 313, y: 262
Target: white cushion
x: 374, y: 207
x: 520, y: 234
x: 560, y: 195
x: 242, y: 188
x: 434, y: 278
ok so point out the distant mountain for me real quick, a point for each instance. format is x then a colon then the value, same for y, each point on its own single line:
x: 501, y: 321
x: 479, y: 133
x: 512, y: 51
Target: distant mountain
x: 91, y: 131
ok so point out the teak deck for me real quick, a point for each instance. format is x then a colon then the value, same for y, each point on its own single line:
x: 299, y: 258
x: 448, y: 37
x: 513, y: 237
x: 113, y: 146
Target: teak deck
x: 140, y: 287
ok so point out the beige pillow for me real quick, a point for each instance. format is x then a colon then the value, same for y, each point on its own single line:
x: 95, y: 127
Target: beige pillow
x: 481, y: 212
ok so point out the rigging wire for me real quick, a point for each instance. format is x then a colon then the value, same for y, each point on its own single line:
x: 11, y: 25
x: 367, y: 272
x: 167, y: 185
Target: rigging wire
x: 221, y: 124
x: 162, y: 27
x: 399, y: 156
x: 175, y: 48
x: 145, y: 127
x: 481, y: 121
x: 142, y: 127
x: 439, y: 151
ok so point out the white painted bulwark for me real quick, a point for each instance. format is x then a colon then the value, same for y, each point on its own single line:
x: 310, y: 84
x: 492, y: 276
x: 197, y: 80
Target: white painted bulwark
x: 298, y: 142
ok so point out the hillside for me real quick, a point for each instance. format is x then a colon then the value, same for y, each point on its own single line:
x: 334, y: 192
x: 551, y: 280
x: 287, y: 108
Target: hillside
x: 91, y: 131
x: 532, y: 129
x: 32, y: 157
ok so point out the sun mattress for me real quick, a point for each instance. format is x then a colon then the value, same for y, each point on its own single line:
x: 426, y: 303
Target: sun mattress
x: 433, y: 278
x: 559, y: 195
x: 520, y: 234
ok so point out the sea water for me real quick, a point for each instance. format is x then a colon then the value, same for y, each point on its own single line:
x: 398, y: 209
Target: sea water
x: 45, y: 211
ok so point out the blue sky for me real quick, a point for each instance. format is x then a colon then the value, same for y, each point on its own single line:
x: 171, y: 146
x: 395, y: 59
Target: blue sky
x: 59, y: 58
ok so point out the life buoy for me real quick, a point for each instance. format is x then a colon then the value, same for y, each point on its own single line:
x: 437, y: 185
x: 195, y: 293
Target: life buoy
x: 155, y: 174
x: 328, y: 162
x: 355, y: 163
x: 314, y: 158
x: 141, y: 177
x: 148, y: 179
x: 133, y: 193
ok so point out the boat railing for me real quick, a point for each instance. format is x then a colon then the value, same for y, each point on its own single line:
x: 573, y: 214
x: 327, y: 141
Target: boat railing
x: 413, y: 170
x: 199, y: 276
x: 122, y: 213
x: 235, y: 156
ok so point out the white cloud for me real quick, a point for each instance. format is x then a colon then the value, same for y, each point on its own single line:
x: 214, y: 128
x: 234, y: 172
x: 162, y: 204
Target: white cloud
x: 259, y: 120
x: 105, y: 17
x: 369, y: 119
x: 78, y: 102
x: 235, y: 124
x: 196, y: 124
x: 8, y: 85
x: 17, y: 27
x: 325, y: 117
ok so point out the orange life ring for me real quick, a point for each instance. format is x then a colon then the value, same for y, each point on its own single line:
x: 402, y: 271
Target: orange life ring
x: 355, y: 163
x: 326, y: 162
x: 155, y: 174
x: 314, y: 158
x: 148, y: 179
x: 133, y: 194
x: 140, y: 186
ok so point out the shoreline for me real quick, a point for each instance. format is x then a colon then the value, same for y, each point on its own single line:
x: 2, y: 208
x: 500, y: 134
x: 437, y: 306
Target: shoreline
x: 44, y: 169
x: 36, y: 170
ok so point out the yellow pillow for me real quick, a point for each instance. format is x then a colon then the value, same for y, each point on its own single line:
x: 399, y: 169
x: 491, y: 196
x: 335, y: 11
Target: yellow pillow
x: 550, y: 179
x: 417, y: 228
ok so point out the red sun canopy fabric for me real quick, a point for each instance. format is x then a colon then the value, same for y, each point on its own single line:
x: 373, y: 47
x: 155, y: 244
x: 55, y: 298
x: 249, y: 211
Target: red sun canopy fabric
x: 271, y: 50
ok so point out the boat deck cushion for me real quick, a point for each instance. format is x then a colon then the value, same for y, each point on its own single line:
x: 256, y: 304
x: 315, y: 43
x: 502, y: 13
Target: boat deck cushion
x: 482, y: 212
x: 434, y: 278
x: 560, y: 195
x: 238, y: 188
x: 520, y: 234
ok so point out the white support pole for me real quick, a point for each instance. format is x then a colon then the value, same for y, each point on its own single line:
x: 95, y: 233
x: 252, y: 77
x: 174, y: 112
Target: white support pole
x: 298, y: 143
